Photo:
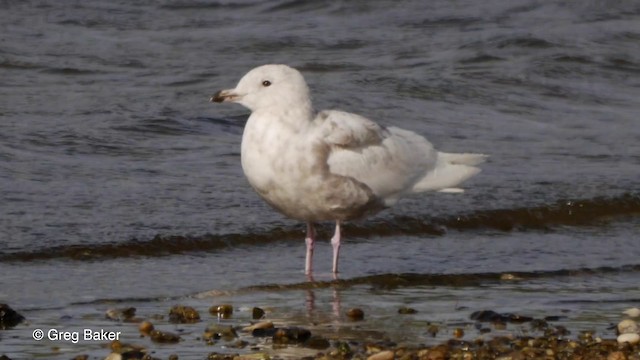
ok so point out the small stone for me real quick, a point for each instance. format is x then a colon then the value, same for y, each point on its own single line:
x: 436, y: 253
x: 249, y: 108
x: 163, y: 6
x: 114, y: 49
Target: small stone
x: 404, y: 310
x: 217, y: 356
x: 259, y: 325
x: 291, y: 335
x: 163, y: 337
x: 121, y: 348
x: 435, y: 354
x: 629, y: 338
x: 433, y: 330
x: 135, y: 355
x: 458, y: 333
x: 382, y: 355
x: 355, y: 314
x: 223, y: 311
x: 183, y: 315
x: 632, y: 312
x: 145, y: 327
x: 113, y: 356
x: 617, y: 355
x: 121, y: 314
x: 173, y: 357
x: 343, y: 349
x: 509, y: 277
x: 9, y: 317
x: 217, y: 331
x: 257, y: 313
x: 627, y: 326
x: 317, y: 343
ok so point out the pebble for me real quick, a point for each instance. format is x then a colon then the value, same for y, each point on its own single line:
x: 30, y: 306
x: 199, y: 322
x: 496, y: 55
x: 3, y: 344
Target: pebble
x: 632, y: 312
x: 183, y: 315
x: 121, y: 314
x: 617, y: 355
x: 317, y: 343
x: 223, y: 311
x: 627, y: 326
x: 382, y: 355
x: 259, y: 325
x: 163, y: 337
x: 355, y: 314
x: 407, y: 310
x: 630, y: 338
x: 291, y: 335
x: 9, y: 317
x: 257, y: 313
x: 145, y: 327
x: 217, y: 331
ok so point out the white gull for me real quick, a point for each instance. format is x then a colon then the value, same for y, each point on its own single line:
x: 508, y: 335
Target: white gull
x: 331, y: 165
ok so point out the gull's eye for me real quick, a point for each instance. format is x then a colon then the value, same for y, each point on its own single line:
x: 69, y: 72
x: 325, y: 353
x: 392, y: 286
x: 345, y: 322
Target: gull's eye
x: 266, y: 83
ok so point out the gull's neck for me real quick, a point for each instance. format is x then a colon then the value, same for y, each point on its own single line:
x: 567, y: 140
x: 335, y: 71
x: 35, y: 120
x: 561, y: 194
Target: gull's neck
x: 296, y: 118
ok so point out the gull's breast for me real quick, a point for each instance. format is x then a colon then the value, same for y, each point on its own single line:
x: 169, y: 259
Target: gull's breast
x: 290, y: 172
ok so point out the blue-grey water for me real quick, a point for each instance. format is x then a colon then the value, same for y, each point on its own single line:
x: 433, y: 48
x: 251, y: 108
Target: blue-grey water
x: 120, y: 184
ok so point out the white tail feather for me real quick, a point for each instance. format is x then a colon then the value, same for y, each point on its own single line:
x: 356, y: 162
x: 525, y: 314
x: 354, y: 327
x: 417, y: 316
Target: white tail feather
x: 450, y: 170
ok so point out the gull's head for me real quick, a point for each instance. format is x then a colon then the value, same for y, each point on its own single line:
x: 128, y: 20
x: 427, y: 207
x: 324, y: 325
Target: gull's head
x: 268, y: 86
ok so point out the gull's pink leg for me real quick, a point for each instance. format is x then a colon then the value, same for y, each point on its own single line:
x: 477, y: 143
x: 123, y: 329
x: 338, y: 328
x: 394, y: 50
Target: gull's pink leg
x: 335, y: 242
x: 311, y: 236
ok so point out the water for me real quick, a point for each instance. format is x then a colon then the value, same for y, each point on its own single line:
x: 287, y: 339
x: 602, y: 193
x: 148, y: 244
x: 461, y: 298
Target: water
x: 120, y: 185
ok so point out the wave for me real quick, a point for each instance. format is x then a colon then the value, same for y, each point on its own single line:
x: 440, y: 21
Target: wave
x: 590, y: 212
x: 393, y: 281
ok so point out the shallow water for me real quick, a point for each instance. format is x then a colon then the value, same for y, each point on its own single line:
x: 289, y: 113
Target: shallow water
x: 120, y: 185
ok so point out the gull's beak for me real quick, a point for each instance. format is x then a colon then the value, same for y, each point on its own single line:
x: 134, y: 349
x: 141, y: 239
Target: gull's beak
x: 224, y: 95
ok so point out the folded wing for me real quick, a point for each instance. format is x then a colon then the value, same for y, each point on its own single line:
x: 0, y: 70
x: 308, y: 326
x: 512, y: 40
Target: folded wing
x: 392, y: 162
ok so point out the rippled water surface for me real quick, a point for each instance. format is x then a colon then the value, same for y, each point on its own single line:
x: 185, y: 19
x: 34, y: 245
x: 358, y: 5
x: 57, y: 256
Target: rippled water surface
x: 120, y: 184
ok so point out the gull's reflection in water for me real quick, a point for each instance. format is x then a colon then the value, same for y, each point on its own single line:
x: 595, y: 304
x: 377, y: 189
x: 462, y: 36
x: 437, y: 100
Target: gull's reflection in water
x: 310, y: 300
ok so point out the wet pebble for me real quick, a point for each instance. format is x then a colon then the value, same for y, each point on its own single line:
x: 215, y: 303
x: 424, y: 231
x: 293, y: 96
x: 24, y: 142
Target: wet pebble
x: 632, y: 312
x: 121, y: 314
x: 627, y: 326
x: 259, y: 325
x: 382, y: 355
x: 9, y: 317
x: 257, y: 313
x: 630, y: 338
x: 407, y: 310
x: 317, y: 343
x: 223, y: 311
x: 145, y: 327
x: 458, y: 333
x: 163, y: 337
x: 218, y: 356
x: 291, y: 335
x: 617, y: 355
x: 494, y: 317
x: 433, y: 354
x: 433, y: 329
x: 183, y: 315
x: 218, y: 331
x: 355, y: 314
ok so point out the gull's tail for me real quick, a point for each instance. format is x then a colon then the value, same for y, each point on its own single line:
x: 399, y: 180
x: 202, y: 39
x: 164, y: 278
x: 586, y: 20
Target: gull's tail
x: 450, y: 170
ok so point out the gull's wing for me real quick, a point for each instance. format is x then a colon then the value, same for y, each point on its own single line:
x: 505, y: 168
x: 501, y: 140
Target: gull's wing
x: 390, y: 161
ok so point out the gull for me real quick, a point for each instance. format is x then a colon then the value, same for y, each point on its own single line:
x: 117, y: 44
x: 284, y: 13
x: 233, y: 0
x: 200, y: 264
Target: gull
x: 331, y: 165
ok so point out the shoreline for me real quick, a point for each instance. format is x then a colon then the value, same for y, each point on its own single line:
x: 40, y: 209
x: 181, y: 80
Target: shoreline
x: 257, y: 333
